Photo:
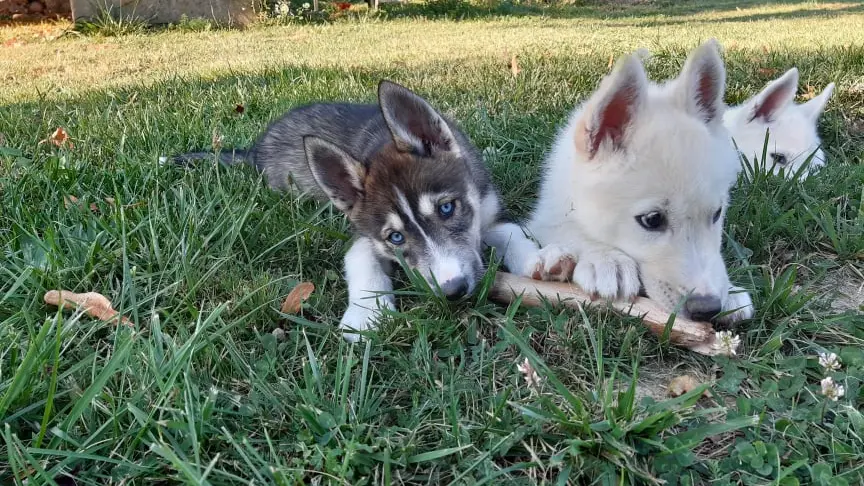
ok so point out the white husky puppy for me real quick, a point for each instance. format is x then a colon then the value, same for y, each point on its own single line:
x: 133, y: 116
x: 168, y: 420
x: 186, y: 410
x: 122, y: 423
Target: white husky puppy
x: 793, y: 136
x: 636, y: 185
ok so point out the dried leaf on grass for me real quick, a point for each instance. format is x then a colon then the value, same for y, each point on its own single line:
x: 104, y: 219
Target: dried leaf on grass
x: 94, y: 304
x: 217, y: 140
x: 294, y: 301
x: 770, y: 72
x: 810, y: 94
x: 683, y: 384
x: 514, y: 66
x: 59, y: 138
x: 69, y: 201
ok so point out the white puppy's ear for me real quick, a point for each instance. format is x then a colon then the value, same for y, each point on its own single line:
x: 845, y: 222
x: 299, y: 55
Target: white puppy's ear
x: 610, y: 113
x: 772, y: 100
x: 703, y: 83
x: 813, y: 109
x: 338, y: 174
x: 414, y: 124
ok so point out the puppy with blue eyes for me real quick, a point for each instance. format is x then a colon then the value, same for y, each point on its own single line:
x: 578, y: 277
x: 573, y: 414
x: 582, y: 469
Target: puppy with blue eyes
x: 409, y: 180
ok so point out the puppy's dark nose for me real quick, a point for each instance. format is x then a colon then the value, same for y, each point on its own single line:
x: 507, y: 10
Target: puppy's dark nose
x: 455, y: 289
x: 702, y: 307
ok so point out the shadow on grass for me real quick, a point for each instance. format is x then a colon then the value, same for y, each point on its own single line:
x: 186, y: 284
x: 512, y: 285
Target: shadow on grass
x: 463, y: 10
x: 515, y: 118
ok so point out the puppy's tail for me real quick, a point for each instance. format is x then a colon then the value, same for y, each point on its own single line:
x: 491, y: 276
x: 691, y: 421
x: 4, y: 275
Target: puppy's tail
x: 228, y: 158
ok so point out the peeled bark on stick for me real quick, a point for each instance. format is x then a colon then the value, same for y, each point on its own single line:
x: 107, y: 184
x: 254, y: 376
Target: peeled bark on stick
x: 695, y: 336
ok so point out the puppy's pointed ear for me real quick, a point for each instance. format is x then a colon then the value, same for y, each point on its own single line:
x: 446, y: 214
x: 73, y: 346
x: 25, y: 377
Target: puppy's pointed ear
x: 775, y: 97
x: 813, y: 109
x: 703, y: 83
x: 610, y: 113
x: 338, y: 174
x: 414, y: 124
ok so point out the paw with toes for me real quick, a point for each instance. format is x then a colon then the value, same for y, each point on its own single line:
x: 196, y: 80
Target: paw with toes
x: 609, y: 275
x: 552, y: 263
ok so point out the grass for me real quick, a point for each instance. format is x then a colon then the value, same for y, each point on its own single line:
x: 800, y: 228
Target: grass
x: 201, y: 391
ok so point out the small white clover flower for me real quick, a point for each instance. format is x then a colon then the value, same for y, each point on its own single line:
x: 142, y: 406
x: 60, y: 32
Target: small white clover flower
x: 726, y: 342
x: 306, y: 6
x: 831, y: 390
x: 829, y: 361
x: 532, y: 379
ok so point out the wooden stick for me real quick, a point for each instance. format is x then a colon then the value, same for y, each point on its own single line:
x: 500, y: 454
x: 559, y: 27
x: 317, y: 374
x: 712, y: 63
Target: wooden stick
x: 696, y: 336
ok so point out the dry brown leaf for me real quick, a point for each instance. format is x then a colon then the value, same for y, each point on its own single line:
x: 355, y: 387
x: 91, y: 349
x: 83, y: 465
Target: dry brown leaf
x: 767, y: 71
x: 514, y: 66
x: 810, y: 94
x: 74, y: 201
x: 69, y: 201
x: 93, y: 303
x: 611, y: 62
x: 683, y: 384
x: 59, y: 138
x: 294, y: 301
x: 239, y: 109
x: 13, y: 42
x: 217, y: 139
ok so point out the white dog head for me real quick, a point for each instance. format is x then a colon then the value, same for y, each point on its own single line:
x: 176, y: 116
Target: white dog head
x: 793, y: 137
x: 655, y: 165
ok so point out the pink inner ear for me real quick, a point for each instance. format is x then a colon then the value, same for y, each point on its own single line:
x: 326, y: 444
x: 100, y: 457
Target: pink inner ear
x: 707, y: 94
x: 772, y: 103
x: 614, y: 118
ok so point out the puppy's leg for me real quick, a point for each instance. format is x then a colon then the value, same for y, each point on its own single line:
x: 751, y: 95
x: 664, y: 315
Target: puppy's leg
x: 512, y: 246
x: 739, y: 305
x: 523, y: 257
x: 367, y: 277
x: 606, y: 271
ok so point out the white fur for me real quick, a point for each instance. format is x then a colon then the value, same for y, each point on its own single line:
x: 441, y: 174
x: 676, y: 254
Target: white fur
x: 512, y: 246
x: 368, y: 287
x: 792, y: 128
x: 632, y: 148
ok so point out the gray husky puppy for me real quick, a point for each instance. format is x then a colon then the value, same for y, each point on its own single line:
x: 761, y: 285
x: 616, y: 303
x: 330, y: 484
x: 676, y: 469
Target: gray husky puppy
x: 409, y: 181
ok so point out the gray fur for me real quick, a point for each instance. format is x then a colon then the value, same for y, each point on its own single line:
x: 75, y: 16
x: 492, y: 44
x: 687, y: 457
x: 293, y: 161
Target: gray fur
x: 359, y: 130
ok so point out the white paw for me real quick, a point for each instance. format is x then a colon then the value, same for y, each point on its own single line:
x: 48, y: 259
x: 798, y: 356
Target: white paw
x: 551, y: 263
x: 363, y: 317
x: 609, y: 274
x: 739, y: 305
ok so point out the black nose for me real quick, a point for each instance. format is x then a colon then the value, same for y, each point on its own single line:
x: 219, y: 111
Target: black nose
x: 455, y: 289
x: 702, y: 307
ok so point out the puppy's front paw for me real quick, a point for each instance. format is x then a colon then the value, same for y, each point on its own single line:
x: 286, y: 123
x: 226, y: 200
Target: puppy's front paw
x: 359, y: 318
x: 609, y: 274
x: 552, y: 263
x: 739, y: 306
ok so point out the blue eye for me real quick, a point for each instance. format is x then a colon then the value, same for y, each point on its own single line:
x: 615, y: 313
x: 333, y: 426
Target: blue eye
x: 446, y: 209
x: 396, y: 238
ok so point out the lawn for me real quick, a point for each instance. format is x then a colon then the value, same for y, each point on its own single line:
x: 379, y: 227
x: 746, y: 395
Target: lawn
x: 201, y: 390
